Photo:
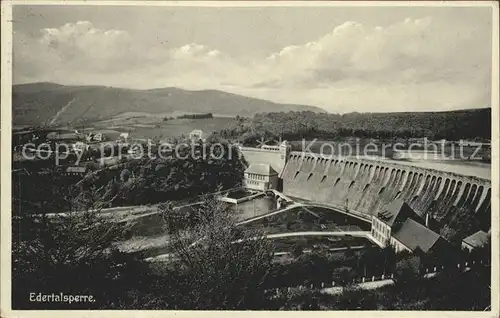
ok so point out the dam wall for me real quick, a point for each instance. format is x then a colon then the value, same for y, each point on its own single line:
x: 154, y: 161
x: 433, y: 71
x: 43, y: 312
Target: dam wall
x: 276, y: 156
x: 368, y: 186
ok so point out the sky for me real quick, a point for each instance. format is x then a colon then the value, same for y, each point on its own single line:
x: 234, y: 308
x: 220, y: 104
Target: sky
x: 343, y: 59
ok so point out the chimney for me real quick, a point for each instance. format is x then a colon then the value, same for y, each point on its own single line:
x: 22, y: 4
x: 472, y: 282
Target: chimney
x: 427, y: 220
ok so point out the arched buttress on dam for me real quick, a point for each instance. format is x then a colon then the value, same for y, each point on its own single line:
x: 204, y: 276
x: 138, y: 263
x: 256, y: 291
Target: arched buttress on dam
x: 369, y: 186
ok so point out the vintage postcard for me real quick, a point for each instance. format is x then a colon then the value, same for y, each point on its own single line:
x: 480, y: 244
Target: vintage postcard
x: 198, y: 158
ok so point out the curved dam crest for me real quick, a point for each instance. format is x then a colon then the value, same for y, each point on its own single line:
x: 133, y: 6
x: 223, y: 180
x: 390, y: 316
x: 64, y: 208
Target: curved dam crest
x: 369, y: 186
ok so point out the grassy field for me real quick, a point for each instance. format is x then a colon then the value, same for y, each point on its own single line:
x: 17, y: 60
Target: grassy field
x: 148, y: 126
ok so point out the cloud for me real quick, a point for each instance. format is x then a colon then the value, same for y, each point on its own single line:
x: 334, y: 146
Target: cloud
x: 417, y: 64
x: 81, y: 41
x: 410, y: 51
x: 193, y: 50
x: 70, y: 50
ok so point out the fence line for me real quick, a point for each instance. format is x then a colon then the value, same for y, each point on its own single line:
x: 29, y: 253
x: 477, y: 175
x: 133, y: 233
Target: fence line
x: 424, y: 273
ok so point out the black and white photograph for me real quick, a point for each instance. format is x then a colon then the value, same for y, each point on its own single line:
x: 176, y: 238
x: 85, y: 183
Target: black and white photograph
x: 262, y: 156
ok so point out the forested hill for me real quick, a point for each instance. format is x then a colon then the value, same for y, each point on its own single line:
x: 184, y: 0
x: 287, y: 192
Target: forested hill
x: 450, y: 125
x: 49, y: 103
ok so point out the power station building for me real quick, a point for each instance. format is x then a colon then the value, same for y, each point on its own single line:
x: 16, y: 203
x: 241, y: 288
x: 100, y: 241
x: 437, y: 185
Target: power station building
x: 265, y: 166
x: 261, y: 177
x: 402, y: 228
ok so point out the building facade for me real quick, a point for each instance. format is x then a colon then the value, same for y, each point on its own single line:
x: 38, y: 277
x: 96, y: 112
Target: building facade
x: 381, y: 231
x: 401, y: 228
x: 260, y: 177
x: 277, y: 156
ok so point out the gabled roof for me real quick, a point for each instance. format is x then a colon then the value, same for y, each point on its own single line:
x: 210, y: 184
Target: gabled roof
x: 413, y: 234
x: 477, y: 239
x: 261, y: 169
x: 396, y: 210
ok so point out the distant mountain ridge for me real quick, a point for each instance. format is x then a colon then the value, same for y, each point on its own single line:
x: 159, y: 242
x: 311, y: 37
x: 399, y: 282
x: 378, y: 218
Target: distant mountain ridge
x: 49, y: 103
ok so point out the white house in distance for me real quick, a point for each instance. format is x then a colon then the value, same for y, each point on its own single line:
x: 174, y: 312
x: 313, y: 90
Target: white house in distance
x: 260, y: 177
x: 196, y: 135
x: 123, y: 138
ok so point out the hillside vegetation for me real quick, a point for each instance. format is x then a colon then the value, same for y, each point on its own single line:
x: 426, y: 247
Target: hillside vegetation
x: 53, y: 104
x: 48, y: 103
x: 450, y: 125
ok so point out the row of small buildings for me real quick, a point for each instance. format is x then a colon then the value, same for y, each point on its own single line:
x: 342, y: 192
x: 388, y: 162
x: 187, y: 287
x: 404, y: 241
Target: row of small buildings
x: 401, y: 227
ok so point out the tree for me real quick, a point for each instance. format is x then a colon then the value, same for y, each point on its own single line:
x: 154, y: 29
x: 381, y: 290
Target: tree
x: 72, y: 254
x: 349, y: 252
x: 220, y: 267
x: 309, y: 125
x: 343, y: 275
x: 124, y: 175
x: 297, y: 251
x: 407, y: 270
